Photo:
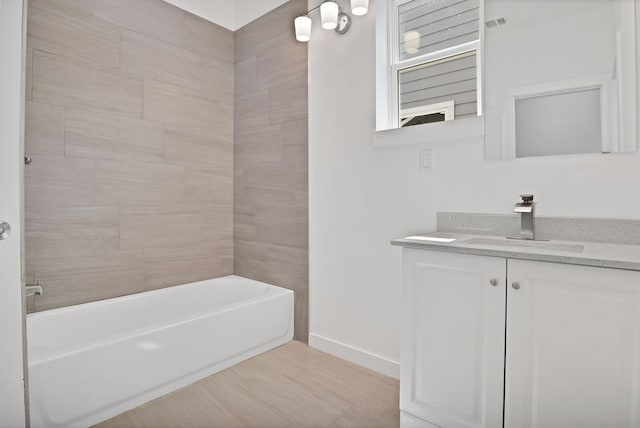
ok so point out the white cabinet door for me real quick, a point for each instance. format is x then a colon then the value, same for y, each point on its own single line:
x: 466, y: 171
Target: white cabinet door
x: 573, y: 346
x: 452, y: 362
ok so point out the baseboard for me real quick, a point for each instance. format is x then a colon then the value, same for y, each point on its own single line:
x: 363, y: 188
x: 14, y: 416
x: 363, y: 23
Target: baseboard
x: 410, y: 421
x: 355, y: 355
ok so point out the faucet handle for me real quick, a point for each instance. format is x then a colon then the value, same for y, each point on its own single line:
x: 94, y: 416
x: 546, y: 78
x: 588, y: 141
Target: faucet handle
x: 527, y: 198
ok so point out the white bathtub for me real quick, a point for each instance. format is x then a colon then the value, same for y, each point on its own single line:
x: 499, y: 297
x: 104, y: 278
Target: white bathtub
x: 90, y: 362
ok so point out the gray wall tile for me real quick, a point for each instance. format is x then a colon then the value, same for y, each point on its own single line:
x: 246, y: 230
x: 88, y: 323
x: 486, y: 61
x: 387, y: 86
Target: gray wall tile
x: 218, y: 223
x: 84, y: 7
x: 251, y: 111
x: 257, y: 154
x: 277, y: 177
x: 207, y: 186
x: 270, y: 156
x: 169, y: 272
x: 164, y: 102
x: 250, y: 258
x: 191, y: 148
x: 44, y: 129
x: 127, y: 183
x: 94, y: 135
x: 70, y: 281
x: 256, y: 136
x: 296, y: 132
x: 250, y: 38
x: 244, y: 221
x: 245, y: 72
x: 58, y: 181
x: 149, y: 57
x: 286, y: 226
x: 68, y: 32
x: 143, y: 227
x: 218, y: 81
x: 152, y: 17
x: 215, y: 248
x: 29, y: 74
x: 288, y: 266
x: 105, y: 182
x: 288, y: 101
x: 64, y: 232
x: 282, y: 49
x: 58, y: 81
x: 270, y: 197
x: 209, y: 39
x: 295, y: 153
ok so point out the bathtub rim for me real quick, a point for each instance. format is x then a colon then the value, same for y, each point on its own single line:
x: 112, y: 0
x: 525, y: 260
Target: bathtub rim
x: 134, y: 296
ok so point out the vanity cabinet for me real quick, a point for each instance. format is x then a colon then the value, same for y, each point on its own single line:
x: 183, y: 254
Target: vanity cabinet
x: 563, y: 340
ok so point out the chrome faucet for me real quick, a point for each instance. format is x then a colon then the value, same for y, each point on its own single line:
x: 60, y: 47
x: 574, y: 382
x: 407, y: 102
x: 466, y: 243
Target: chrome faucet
x: 33, y: 289
x: 526, y: 209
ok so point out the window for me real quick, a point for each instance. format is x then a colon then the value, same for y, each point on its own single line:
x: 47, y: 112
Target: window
x: 431, y: 67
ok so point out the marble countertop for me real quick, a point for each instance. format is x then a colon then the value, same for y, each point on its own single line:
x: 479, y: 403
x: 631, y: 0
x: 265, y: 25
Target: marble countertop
x: 609, y: 255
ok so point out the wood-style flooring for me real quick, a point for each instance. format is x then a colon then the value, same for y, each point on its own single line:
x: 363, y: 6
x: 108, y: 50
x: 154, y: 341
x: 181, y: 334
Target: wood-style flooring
x: 290, y: 386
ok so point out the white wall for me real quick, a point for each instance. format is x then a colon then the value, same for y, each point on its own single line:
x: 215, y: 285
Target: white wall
x: 249, y: 10
x: 361, y: 197
x: 217, y: 11
x: 231, y: 14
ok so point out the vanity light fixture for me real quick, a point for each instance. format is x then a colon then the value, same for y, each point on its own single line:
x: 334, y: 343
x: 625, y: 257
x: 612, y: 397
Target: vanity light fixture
x: 303, y: 28
x: 359, y: 7
x: 331, y: 16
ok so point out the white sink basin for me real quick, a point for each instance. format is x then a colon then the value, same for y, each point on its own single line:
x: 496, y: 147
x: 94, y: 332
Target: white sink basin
x: 543, y: 245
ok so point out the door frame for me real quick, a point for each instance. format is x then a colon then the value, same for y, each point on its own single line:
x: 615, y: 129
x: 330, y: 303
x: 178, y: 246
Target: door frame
x: 13, y: 401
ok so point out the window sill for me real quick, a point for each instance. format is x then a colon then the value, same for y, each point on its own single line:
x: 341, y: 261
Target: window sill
x: 461, y: 129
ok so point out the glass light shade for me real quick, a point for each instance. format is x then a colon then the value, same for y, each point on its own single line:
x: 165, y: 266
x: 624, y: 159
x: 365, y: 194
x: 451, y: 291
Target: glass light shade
x: 359, y: 7
x: 303, y: 28
x: 329, y: 15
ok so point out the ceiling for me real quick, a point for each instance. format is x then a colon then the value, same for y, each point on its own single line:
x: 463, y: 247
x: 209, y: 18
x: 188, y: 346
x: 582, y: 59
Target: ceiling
x: 231, y: 14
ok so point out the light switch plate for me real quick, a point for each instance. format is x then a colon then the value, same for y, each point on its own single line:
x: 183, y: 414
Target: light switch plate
x: 426, y: 159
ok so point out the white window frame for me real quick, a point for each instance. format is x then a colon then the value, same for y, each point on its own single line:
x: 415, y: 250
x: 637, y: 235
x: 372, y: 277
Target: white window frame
x: 446, y: 108
x: 388, y: 66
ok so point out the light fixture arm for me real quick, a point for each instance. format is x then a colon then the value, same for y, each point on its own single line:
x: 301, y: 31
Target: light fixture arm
x: 313, y: 9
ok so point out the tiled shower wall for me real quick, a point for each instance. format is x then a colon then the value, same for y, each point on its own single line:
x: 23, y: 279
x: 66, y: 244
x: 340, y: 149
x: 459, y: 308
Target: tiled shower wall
x: 130, y: 124
x: 270, y: 155
x: 129, y: 121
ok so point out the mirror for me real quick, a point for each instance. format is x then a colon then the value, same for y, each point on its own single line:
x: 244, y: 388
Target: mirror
x: 560, y: 77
